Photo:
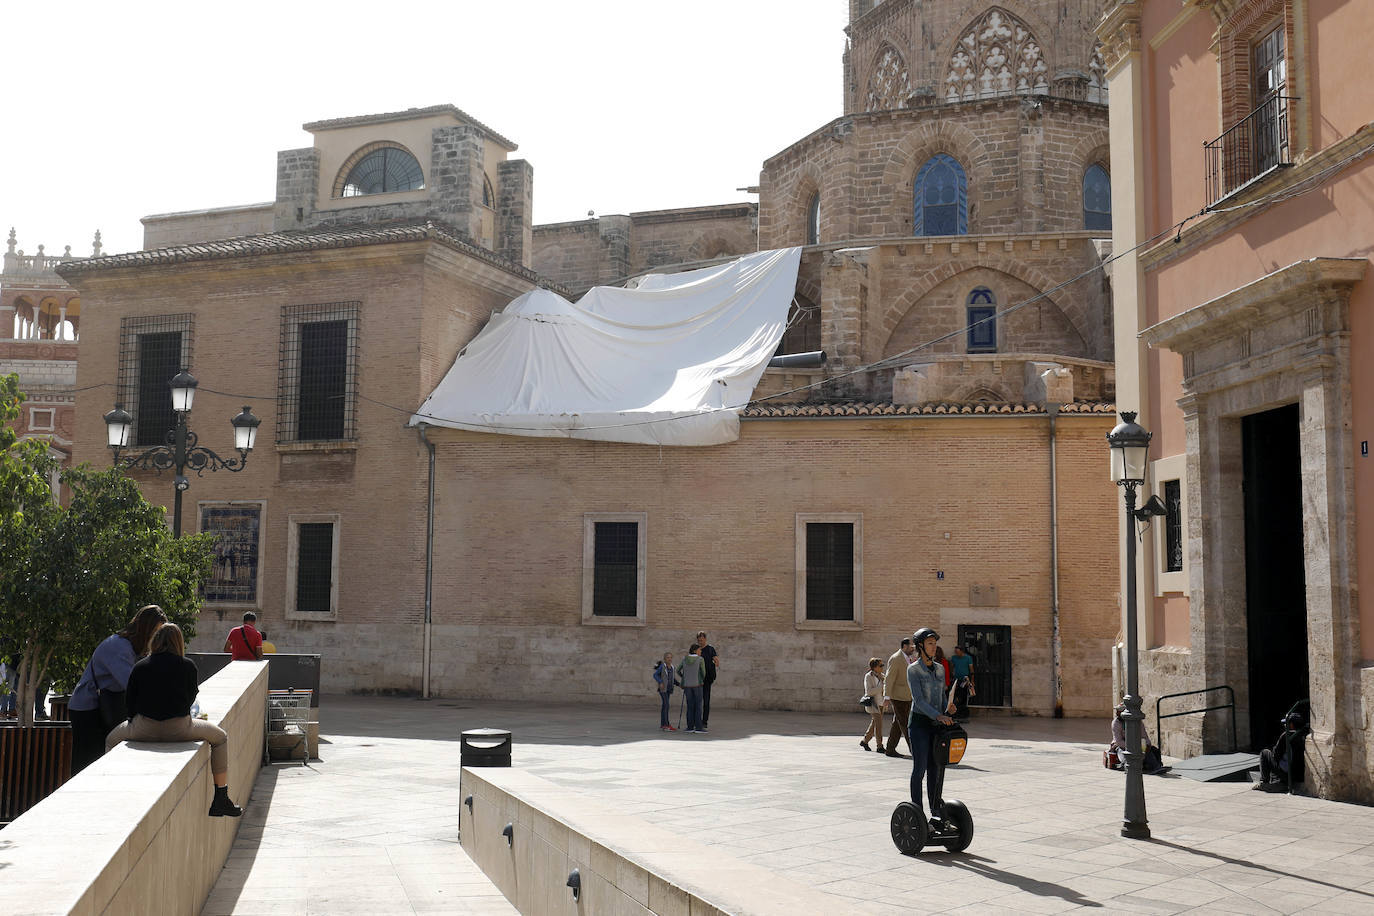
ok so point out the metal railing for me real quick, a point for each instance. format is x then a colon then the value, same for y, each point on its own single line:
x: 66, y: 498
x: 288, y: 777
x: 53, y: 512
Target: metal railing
x: 1256, y: 144
x: 1159, y: 734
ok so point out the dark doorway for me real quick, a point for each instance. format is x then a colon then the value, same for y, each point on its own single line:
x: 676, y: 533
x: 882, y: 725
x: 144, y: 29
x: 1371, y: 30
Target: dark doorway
x: 990, y: 647
x: 1275, y: 581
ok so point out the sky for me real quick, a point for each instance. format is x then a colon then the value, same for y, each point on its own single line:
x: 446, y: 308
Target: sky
x: 118, y: 111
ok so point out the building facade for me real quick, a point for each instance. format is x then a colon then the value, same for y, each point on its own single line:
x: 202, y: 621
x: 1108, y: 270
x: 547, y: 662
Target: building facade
x: 1242, y: 306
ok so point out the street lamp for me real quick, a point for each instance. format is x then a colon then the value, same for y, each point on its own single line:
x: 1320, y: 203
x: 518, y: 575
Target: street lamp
x: 180, y: 450
x: 1130, y: 444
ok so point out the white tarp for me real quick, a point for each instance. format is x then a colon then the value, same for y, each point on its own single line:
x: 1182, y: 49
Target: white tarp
x: 669, y: 362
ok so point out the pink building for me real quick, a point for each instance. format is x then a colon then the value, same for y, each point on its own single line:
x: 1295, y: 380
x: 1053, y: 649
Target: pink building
x: 1240, y: 338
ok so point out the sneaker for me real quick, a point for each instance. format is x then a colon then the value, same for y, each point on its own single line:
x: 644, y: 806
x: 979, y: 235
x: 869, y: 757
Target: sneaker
x: 670, y: 728
x: 703, y: 728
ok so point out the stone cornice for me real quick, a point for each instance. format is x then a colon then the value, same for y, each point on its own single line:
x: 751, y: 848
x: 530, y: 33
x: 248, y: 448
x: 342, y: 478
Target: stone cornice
x: 1119, y: 32
x: 1286, y: 291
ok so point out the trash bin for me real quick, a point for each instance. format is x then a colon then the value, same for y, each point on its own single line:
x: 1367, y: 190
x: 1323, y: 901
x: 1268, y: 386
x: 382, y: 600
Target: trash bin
x: 485, y: 747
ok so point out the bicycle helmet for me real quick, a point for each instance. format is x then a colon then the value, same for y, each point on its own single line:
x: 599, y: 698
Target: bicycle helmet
x: 923, y: 634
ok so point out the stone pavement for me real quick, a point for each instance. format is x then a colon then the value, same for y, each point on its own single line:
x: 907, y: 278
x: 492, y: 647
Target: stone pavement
x: 372, y: 827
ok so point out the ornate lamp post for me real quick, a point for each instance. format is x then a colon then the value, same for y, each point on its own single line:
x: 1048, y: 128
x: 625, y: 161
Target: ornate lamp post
x: 1130, y: 444
x: 180, y: 450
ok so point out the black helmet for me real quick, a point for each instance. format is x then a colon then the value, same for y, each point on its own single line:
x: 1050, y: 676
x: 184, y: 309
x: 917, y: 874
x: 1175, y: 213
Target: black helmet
x: 923, y: 634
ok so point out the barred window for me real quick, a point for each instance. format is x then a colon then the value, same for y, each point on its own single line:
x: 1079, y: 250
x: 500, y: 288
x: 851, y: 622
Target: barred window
x: 829, y: 569
x: 613, y: 567
x: 1173, y: 526
x: 234, y: 574
x: 152, y: 350
x: 318, y: 375
x: 313, y: 567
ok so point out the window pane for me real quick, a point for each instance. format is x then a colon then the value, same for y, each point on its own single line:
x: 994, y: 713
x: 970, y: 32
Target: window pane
x: 384, y: 171
x: 159, y: 358
x: 324, y: 370
x: 829, y: 571
x: 940, y: 198
x: 1097, y: 198
x: 982, y: 328
x: 615, y: 577
x: 314, y: 566
x: 1173, y: 526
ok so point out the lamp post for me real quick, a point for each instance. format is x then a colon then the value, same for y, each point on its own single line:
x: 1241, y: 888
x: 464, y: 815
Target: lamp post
x: 179, y: 451
x: 1130, y: 444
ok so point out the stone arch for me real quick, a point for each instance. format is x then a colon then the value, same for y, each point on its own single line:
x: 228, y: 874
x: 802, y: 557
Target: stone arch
x: 341, y: 178
x: 980, y: 391
x: 807, y: 186
x: 929, y: 138
x: 888, y: 85
x: 974, y: 20
x: 1091, y: 149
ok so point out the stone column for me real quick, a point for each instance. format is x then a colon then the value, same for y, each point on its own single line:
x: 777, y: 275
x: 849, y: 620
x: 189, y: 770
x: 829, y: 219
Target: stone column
x: 514, y: 206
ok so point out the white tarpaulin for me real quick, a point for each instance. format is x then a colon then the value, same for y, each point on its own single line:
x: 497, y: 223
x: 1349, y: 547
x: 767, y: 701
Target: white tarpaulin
x: 669, y: 362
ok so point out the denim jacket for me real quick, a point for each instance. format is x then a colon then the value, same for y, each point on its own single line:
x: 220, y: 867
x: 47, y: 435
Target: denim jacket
x: 927, y: 691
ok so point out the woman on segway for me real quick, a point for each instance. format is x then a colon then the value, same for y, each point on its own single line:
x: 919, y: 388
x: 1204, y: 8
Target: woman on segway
x: 928, y: 709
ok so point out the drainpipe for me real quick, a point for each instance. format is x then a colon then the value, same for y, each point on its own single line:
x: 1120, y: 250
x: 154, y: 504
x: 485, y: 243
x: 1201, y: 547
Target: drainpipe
x: 1056, y: 645
x: 429, y: 568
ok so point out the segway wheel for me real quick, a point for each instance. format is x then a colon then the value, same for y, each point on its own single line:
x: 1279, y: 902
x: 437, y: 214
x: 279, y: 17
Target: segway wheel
x: 909, y: 828
x: 957, y: 816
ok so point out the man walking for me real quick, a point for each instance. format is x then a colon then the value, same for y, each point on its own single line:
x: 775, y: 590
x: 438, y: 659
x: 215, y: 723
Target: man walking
x: 899, y: 693
x: 710, y: 658
x: 244, y: 644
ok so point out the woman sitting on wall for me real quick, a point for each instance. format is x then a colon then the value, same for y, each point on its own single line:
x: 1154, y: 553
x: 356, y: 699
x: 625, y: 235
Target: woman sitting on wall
x: 97, y: 704
x: 162, y: 688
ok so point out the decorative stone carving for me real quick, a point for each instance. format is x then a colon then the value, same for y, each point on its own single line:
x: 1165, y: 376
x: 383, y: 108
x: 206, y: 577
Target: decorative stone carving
x: 889, y: 86
x: 1097, y: 76
x: 998, y: 55
x: 1119, y: 33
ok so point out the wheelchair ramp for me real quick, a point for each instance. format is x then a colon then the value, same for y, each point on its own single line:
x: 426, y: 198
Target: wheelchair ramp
x: 1218, y: 767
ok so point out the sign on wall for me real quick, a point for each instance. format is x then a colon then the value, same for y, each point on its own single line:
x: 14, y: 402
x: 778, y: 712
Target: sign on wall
x: 238, y: 530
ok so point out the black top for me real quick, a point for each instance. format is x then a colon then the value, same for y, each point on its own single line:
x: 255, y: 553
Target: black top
x: 162, y: 686
x: 708, y: 655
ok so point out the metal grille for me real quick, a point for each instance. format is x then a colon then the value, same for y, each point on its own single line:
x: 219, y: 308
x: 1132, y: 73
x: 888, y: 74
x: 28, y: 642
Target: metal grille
x: 151, y: 351
x: 1249, y: 149
x: 384, y: 171
x: 615, y: 577
x: 990, y: 647
x: 829, y: 571
x: 1173, y: 526
x: 317, y: 382
x: 314, y: 566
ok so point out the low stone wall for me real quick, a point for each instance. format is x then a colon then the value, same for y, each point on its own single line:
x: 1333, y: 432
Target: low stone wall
x: 625, y: 864
x: 130, y: 834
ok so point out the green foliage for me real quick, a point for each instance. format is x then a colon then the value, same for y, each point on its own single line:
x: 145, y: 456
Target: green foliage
x: 71, y: 576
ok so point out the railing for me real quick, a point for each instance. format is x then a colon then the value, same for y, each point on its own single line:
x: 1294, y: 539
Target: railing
x: 1256, y: 144
x: 1159, y: 735
x: 36, y: 264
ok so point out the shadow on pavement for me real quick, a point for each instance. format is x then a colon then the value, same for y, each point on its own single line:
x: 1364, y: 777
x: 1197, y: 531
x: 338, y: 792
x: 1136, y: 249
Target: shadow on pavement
x: 1247, y: 863
x: 983, y: 867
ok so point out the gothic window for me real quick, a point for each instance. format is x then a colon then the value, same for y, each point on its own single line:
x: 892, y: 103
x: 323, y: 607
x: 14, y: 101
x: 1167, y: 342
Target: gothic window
x: 889, y: 86
x: 998, y: 55
x: 982, y: 321
x: 488, y: 194
x: 1097, y: 198
x: 1097, y: 76
x: 940, y: 198
x: 813, y: 220
x: 384, y: 169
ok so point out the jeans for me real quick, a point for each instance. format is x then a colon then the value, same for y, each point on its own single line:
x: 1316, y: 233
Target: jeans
x: 693, y: 695
x: 664, y: 701
x: 923, y: 765
x: 705, y: 703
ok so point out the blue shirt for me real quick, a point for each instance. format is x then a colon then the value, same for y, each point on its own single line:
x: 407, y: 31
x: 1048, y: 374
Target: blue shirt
x: 961, y: 665
x: 108, y: 669
x: 927, y: 689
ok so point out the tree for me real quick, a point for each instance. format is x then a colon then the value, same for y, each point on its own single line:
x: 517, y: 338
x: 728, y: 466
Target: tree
x: 71, y: 576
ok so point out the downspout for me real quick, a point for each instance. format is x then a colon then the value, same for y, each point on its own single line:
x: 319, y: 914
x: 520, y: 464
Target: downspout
x: 1056, y: 644
x: 429, y: 569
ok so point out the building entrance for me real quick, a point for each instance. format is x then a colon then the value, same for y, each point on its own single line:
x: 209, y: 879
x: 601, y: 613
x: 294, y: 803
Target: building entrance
x: 1275, y: 580
x: 990, y: 647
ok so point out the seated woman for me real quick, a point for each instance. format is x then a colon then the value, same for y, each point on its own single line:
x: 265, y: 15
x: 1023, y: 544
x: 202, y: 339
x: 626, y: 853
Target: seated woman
x: 1153, y: 760
x: 161, y: 689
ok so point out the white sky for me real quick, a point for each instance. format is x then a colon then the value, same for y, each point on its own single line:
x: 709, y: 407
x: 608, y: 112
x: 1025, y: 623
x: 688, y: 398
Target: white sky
x: 114, y: 111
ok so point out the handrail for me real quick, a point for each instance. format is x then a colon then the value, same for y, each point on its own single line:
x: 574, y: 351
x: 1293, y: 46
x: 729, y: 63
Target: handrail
x: 1159, y: 734
x: 1249, y: 148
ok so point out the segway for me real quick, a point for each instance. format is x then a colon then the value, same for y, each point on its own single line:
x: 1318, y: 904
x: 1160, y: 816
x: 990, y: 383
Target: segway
x: 953, y: 829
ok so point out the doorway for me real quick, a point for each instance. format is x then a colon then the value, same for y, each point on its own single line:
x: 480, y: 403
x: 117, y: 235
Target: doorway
x: 990, y: 647
x: 1275, y: 577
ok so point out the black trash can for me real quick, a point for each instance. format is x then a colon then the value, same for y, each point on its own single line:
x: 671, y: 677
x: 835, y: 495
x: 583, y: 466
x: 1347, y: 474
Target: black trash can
x: 485, y: 747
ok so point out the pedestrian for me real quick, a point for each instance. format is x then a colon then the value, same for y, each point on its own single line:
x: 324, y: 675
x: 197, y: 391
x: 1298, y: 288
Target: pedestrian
x: 268, y: 647
x: 162, y: 688
x: 899, y: 695
x: 962, y: 668
x: 691, y: 674
x: 873, y: 690
x: 663, y: 676
x: 929, y: 709
x: 944, y: 663
x: 710, y: 658
x: 244, y: 643
x: 97, y: 703
x: 1277, y: 765
x: 1151, y: 760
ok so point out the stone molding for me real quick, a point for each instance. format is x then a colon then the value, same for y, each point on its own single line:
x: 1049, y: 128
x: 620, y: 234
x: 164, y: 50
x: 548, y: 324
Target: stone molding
x: 1119, y: 32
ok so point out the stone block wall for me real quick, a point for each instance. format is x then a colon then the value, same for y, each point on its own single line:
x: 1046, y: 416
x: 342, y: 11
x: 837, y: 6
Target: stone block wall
x: 515, y: 206
x: 298, y: 177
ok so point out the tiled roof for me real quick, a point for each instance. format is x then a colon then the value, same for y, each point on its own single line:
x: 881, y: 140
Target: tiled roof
x: 287, y: 242
x: 767, y: 411
x: 407, y: 115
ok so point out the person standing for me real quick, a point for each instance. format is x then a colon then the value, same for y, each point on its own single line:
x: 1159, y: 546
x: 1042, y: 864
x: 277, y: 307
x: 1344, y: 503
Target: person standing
x: 663, y: 676
x: 899, y: 694
x: 926, y: 678
x: 97, y: 703
x: 873, y: 689
x: 244, y: 644
x: 962, y: 669
x: 710, y: 659
x: 691, y: 673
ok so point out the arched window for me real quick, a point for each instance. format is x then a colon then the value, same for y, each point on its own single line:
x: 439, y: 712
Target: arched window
x: 383, y: 171
x: 982, y: 321
x: 488, y: 194
x: 1097, y: 198
x: 940, y: 195
x: 813, y: 220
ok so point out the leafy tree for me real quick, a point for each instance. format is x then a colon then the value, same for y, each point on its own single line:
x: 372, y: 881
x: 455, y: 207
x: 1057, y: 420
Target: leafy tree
x: 71, y: 576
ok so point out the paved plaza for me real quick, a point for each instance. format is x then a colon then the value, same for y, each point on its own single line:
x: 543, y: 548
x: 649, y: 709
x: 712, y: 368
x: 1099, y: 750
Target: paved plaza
x: 372, y: 826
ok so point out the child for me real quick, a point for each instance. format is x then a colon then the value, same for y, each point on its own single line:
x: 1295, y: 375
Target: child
x: 663, y: 674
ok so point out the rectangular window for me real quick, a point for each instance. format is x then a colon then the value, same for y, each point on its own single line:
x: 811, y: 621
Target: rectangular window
x: 1173, y: 526
x: 238, y: 531
x: 1269, y: 73
x: 829, y: 570
x: 312, y: 560
x: 613, y: 564
x: 42, y: 419
x: 151, y: 351
x: 318, y: 376
x: 982, y: 329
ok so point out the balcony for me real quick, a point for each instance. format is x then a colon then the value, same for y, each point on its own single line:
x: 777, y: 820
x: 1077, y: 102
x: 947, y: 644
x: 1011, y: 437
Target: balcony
x: 1255, y: 146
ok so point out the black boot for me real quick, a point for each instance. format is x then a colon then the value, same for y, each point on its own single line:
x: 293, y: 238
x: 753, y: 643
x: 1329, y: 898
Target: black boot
x: 222, y: 806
